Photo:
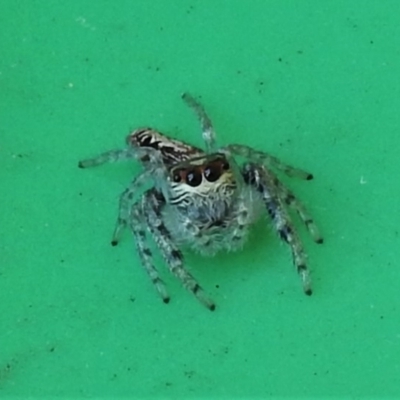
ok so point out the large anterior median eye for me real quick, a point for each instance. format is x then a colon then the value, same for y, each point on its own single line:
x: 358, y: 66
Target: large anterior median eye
x: 193, y: 177
x: 212, y: 172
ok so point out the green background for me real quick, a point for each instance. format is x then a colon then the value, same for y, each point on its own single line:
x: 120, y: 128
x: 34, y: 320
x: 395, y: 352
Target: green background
x: 313, y: 82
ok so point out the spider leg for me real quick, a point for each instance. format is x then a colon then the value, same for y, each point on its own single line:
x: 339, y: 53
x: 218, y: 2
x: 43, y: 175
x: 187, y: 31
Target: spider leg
x: 243, y: 218
x: 144, y: 154
x: 136, y: 222
x: 290, y: 199
x: 107, y: 157
x: 260, y: 178
x: 126, y: 201
x: 206, y: 124
x: 152, y: 205
x: 268, y: 160
x: 154, y: 168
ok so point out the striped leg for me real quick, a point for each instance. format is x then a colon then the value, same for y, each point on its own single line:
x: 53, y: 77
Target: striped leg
x: 290, y: 199
x: 152, y: 205
x: 206, y: 124
x: 243, y: 221
x: 263, y: 182
x: 259, y: 157
x: 126, y: 201
x: 136, y: 223
x: 143, y: 154
x: 107, y: 157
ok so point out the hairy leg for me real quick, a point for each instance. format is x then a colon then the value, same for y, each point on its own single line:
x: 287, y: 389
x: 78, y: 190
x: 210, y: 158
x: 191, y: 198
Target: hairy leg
x: 263, y: 182
x: 290, y: 199
x: 260, y: 157
x: 206, y: 125
x: 126, y: 201
x: 137, y: 224
x: 152, y: 206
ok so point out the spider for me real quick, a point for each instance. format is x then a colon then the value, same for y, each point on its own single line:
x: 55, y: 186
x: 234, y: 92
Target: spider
x: 204, y: 199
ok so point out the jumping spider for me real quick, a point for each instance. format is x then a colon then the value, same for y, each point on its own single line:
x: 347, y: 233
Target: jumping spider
x: 203, y: 198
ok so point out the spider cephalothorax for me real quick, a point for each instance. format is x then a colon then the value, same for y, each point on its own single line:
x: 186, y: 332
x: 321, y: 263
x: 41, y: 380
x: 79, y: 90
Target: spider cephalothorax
x: 202, y: 180
x: 204, y: 199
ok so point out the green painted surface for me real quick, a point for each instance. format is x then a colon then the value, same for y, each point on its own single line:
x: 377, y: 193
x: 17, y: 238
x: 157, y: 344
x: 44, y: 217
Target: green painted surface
x: 315, y: 83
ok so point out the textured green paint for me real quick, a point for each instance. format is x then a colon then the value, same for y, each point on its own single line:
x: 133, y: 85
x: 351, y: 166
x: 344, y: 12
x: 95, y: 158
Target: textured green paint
x: 313, y: 82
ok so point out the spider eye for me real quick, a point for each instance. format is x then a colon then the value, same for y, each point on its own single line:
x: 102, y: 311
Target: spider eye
x: 176, y: 177
x: 193, y: 178
x: 211, y: 173
x: 225, y: 166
